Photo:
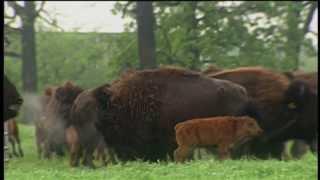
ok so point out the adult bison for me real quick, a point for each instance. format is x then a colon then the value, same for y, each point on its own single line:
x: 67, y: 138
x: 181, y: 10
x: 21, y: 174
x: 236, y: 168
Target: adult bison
x: 138, y: 112
x: 85, y: 138
x: 57, y: 113
x: 11, y: 100
x: 40, y: 122
x: 299, y: 147
x: 287, y: 108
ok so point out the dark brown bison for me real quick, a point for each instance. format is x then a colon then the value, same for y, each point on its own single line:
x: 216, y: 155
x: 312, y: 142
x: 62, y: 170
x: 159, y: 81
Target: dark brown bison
x: 299, y: 147
x: 83, y: 118
x: 287, y: 108
x: 14, y: 138
x: 138, y: 112
x: 57, y: 114
x: 11, y: 100
x: 226, y: 132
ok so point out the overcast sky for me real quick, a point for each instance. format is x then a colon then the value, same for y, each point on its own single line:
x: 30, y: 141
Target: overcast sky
x: 86, y: 16
x: 97, y: 16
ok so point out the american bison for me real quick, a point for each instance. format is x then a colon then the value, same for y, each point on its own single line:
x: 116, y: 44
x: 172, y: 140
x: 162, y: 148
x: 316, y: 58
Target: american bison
x: 40, y: 130
x: 287, y: 108
x: 226, y: 132
x: 57, y: 114
x: 12, y: 100
x: 14, y: 138
x: 138, y: 112
x: 299, y: 147
x: 84, y: 114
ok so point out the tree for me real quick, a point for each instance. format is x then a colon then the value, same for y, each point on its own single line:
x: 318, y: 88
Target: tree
x: 27, y: 13
x: 229, y: 34
x: 146, y: 39
x: 296, y: 33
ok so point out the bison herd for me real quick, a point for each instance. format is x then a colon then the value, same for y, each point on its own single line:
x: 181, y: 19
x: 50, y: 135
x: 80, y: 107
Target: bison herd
x: 167, y: 112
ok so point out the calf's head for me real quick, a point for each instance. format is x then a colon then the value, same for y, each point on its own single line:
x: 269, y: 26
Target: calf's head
x: 247, y: 127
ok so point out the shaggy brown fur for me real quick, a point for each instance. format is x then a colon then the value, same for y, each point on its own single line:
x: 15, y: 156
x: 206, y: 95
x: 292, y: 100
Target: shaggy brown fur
x: 284, y: 106
x: 299, y: 147
x: 142, y: 108
x: 40, y: 134
x: 57, y: 114
x: 84, y: 114
x: 14, y: 137
x: 224, y: 132
x: 12, y: 100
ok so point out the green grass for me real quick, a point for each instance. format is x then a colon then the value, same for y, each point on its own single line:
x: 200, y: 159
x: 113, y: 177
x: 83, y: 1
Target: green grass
x: 31, y: 168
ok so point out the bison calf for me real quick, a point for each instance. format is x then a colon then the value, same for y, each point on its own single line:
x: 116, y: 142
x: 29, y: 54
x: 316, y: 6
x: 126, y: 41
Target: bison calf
x: 224, y: 131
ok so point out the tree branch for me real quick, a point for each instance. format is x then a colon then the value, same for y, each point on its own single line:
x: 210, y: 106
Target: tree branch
x: 17, y: 8
x: 309, y: 17
x: 12, y: 54
x: 125, y: 8
x: 52, y: 22
x: 9, y: 28
x: 41, y: 8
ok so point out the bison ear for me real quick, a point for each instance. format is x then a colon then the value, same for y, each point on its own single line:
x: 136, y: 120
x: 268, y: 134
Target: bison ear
x: 103, y: 95
x: 297, y: 94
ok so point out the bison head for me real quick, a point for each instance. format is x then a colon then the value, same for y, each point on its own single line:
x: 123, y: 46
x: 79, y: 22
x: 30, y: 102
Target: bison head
x: 300, y: 106
x: 303, y: 101
x: 11, y: 100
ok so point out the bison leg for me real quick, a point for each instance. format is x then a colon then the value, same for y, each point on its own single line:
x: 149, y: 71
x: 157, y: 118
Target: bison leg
x: 39, y: 143
x: 314, y: 146
x: 59, y: 150
x: 298, y: 149
x: 39, y: 148
x: 224, y: 151
x: 88, y: 158
x: 13, y: 144
x: 19, y: 146
x: 181, y: 153
x: 74, y: 155
x: 112, y: 155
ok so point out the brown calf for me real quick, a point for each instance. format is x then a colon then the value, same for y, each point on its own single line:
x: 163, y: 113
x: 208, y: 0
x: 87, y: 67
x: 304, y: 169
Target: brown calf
x: 224, y: 131
x: 13, y: 134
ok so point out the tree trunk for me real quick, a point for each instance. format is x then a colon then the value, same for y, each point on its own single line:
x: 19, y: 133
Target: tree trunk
x: 193, y: 34
x: 146, y: 39
x: 29, y: 67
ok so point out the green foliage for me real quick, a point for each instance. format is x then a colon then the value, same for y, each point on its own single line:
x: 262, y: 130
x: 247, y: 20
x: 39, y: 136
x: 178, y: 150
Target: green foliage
x: 30, y: 168
x: 88, y: 59
x: 229, y: 34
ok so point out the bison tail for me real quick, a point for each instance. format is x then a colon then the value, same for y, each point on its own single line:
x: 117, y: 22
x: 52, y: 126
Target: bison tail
x: 251, y: 110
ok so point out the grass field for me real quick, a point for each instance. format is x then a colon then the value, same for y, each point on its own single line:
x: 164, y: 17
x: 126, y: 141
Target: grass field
x: 31, y: 168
